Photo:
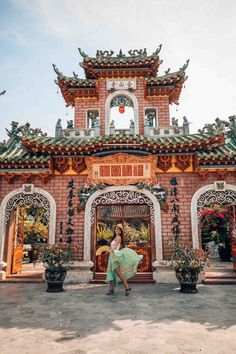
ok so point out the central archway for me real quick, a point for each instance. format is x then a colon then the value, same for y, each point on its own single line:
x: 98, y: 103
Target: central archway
x: 123, y: 194
x: 134, y: 101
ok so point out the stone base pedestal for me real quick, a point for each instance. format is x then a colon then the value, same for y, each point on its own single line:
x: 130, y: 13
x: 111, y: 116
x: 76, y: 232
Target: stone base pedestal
x: 80, y: 272
x: 164, y: 273
x: 2, y: 275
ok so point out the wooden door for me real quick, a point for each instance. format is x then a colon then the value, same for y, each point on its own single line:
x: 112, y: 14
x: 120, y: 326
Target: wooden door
x: 137, y: 233
x: 10, y: 236
x: 15, y: 243
x: 232, y: 224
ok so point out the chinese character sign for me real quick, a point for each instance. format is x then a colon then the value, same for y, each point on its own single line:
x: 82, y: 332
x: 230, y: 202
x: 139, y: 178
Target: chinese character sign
x: 121, y: 84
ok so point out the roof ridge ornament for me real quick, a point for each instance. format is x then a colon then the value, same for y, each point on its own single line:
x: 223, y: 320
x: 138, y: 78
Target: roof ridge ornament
x: 184, y: 67
x: 56, y: 70
x: 104, y: 53
x: 138, y: 52
x: 23, y: 130
x: 157, y: 51
x: 83, y: 54
x: 167, y: 71
x: 120, y: 55
x: 219, y: 127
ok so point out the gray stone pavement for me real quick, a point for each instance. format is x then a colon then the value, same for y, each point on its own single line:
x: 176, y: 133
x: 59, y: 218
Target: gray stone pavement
x: 82, y: 319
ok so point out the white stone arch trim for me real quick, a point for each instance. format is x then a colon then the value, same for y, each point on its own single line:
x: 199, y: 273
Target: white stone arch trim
x: 157, y: 219
x: 194, y: 207
x: 52, y: 217
x: 133, y: 98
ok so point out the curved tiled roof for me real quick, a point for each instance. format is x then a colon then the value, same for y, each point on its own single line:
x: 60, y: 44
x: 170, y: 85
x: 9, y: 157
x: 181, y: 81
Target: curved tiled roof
x: 194, y: 142
x: 169, y: 78
x: 37, y: 150
x: 225, y: 153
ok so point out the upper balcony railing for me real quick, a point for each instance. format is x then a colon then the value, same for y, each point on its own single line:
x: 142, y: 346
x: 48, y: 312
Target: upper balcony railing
x: 82, y: 133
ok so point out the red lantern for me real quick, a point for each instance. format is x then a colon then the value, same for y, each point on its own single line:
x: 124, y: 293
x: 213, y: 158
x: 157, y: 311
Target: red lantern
x: 121, y: 109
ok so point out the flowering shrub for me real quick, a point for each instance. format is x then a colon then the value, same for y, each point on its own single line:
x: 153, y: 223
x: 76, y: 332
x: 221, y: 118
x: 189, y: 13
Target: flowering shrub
x: 211, y: 219
x: 188, y: 259
x: 56, y: 256
x: 214, y: 224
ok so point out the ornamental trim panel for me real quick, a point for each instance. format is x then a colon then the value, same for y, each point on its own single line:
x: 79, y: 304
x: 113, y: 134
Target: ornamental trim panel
x: 122, y: 197
x: 22, y: 199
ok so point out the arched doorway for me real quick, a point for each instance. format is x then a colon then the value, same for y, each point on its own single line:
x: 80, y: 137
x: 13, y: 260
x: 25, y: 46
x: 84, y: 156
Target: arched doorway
x: 220, y: 193
x: 114, y: 102
x: 121, y: 112
x: 27, y: 217
x: 139, y: 213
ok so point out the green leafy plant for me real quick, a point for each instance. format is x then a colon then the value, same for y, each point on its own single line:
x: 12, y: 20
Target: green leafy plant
x: 104, y: 232
x: 86, y: 191
x: 188, y: 259
x: 144, y: 232
x: 56, y: 257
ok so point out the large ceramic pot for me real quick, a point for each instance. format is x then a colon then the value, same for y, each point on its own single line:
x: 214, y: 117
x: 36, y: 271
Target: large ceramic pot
x: 233, y: 253
x: 224, y: 253
x: 55, y: 279
x: 188, y: 280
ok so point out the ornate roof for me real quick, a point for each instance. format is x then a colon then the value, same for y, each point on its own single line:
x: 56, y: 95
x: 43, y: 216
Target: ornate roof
x: 222, y: 155
x: 73, y: 86
x: 109, y: 143
x: 36, y: 153
x: 13, y: 153
x: 105, y: 64
x: 169, y: 84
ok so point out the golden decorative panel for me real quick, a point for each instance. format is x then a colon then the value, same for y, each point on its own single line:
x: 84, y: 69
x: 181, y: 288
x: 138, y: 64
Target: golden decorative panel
x: 121, y: 169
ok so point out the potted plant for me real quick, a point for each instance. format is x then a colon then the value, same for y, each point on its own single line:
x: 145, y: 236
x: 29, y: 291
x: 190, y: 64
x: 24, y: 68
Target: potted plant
x: 56, y: 259
x: 188, y: 262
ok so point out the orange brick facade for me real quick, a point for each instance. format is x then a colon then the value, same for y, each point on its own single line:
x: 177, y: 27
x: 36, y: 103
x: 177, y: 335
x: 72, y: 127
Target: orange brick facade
x: 188, y: 184
x: 160, y: 103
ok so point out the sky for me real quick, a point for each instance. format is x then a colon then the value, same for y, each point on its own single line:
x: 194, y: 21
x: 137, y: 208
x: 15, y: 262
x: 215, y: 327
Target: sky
x: 34, y: 34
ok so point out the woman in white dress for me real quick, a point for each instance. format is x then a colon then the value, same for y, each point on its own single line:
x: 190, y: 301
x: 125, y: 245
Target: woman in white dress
x: 123, y: 262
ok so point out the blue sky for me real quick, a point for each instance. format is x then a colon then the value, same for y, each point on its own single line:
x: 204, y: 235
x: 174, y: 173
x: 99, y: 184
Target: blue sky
x: 36, y: 33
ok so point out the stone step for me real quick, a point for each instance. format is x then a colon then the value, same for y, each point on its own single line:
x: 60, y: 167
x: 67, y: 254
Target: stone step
x: 140, y: 278
x: 131, y: 281
x: 220, y: 275
x: 223, y: 281
x: 29, y: 280
x: 25, y: 277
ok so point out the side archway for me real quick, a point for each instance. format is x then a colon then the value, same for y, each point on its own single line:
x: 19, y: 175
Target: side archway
x: 118, y: 192
x: 20, y: 197
x: 134, y: 100
x: 204, y: 196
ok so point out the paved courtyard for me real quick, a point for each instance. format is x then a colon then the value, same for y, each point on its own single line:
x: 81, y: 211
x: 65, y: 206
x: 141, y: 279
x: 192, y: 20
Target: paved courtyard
x: 154, y: 319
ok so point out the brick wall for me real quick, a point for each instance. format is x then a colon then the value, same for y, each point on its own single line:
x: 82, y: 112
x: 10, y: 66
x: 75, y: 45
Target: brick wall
x: 188, y: 184
x: 161, y: 103
x: 57, y: 187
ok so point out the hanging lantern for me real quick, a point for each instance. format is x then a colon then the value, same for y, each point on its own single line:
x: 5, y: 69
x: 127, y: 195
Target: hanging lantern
x: 121, y: 109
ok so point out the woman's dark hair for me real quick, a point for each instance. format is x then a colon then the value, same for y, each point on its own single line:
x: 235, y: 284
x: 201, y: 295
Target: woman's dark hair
x: 121, y: 235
